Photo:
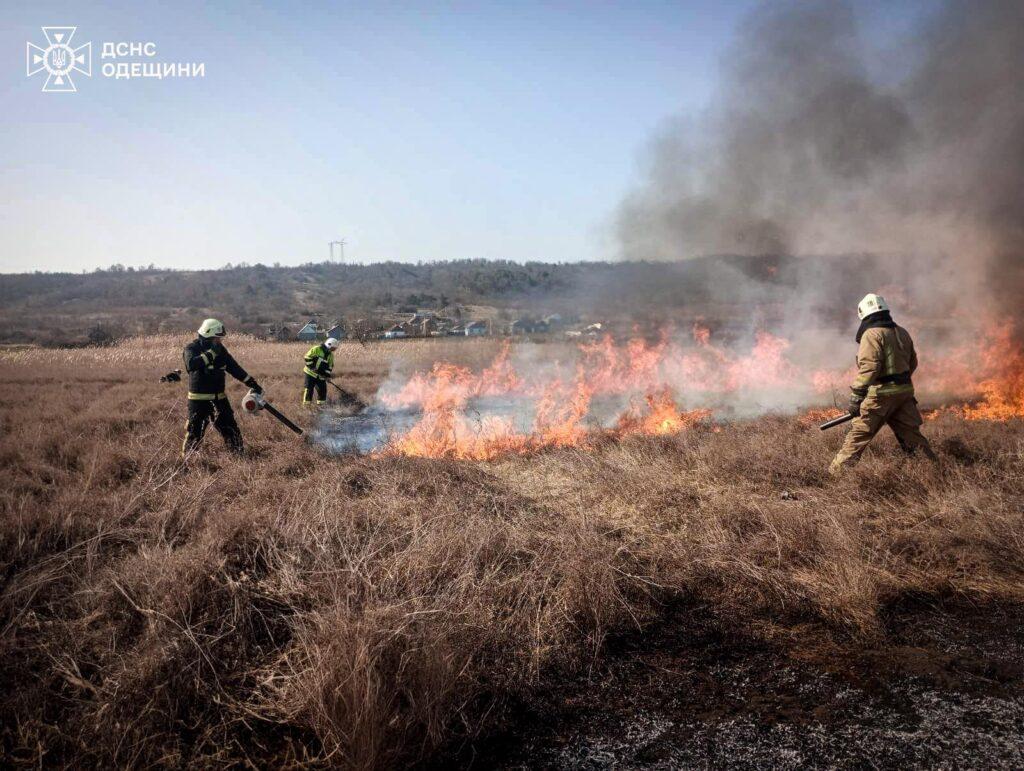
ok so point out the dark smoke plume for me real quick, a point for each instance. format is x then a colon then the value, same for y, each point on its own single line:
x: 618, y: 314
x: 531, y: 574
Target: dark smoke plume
x: 808, y: 152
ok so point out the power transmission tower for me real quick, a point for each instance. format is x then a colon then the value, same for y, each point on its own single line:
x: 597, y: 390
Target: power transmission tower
x: 341, y: 249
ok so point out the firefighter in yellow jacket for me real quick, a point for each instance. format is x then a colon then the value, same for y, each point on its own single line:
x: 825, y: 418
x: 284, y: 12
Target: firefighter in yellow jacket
x: 882, y: 393
x: 319, y: 361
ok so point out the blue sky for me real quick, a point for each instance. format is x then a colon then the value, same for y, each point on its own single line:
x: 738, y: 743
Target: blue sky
x: 417, y: 131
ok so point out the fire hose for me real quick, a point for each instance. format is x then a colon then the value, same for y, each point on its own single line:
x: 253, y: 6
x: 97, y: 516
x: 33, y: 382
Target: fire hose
x: 253, y: 402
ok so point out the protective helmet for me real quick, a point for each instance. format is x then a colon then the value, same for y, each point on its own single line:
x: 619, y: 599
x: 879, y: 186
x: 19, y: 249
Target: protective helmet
x: 872, y: 303
x: 331, y: 343
x: 212, y: 328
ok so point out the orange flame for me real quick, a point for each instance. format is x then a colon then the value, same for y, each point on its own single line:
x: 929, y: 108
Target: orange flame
x: 662, y: 416
x: 649, y: 380
x: 993, y: 372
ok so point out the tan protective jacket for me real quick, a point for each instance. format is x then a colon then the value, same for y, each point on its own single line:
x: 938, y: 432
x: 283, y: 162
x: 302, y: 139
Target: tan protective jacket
x: 884, y: 352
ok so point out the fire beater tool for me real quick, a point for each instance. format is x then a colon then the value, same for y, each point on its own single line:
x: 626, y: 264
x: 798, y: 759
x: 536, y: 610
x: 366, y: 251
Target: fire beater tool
x: 253, y: 402
x: 836, y: 422
x: 349, y: 398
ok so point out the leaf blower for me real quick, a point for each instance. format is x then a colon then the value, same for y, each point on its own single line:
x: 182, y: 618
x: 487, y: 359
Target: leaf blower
x: 836, y: 421
x: 253, y: 402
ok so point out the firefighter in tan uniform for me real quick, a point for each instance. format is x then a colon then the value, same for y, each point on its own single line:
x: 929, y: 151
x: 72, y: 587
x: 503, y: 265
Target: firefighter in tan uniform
x: 882, y: 393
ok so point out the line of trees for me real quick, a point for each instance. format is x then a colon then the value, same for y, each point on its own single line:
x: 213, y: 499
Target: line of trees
x: 54, y: 308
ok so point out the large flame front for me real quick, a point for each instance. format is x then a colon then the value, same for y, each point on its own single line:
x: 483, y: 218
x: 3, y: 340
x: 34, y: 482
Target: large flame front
x: 993, y: 372
x: 663, y: 388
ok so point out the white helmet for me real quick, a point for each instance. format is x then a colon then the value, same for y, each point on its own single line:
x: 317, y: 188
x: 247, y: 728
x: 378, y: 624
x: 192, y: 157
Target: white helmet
x: 331, y: 343
x: 872, y: 303
x: 212, y: 328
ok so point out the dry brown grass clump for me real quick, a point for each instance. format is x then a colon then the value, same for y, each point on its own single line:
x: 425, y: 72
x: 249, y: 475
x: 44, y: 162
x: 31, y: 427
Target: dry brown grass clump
x: 293, y: 608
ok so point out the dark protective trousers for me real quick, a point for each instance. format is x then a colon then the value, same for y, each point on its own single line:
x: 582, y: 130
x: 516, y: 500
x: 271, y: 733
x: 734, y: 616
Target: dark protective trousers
x: 200, y: 412
x: 314, y: 391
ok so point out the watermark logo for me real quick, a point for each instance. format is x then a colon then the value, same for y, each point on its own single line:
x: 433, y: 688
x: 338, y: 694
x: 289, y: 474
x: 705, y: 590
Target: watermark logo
x: 124, y: 60
x: 59, y: 59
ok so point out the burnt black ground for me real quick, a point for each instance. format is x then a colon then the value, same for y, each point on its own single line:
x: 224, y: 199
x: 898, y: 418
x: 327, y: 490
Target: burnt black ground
x: 941, y: 688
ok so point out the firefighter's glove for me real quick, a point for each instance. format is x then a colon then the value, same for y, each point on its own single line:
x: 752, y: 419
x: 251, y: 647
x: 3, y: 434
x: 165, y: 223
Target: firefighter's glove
x: 855, y: 401
x: 256, y: 387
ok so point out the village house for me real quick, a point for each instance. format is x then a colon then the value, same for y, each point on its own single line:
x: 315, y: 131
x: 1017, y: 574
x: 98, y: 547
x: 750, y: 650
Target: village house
x: 309, y: 331
x: 441, y: 326
x: 414, y: 325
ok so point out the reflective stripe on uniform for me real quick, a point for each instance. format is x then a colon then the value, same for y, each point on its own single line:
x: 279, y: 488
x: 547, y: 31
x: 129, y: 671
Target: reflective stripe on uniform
x: 864, y: 383
x: 890, y: 360
x: 206, y: 397
x: 889, y: 389
x: 860, y: 383
x: 317, y: 359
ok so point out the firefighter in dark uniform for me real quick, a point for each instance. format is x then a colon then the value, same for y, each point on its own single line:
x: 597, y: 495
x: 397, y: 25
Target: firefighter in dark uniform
x: 319, y: 361
x: 206, y: 361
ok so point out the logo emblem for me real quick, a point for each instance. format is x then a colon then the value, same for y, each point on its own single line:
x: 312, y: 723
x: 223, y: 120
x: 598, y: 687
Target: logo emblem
x: 59, y: 59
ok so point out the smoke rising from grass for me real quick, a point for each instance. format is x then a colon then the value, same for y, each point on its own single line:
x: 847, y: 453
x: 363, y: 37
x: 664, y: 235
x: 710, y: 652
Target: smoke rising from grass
x: 809, y: 152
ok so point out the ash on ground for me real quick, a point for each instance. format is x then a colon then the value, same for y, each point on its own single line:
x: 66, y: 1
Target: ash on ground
x: 943, y: 690
x: 373, y: 428
x: 341, y: 431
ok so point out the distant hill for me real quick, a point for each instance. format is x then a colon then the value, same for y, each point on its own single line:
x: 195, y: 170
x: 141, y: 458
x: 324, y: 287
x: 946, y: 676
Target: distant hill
x: 66, y: 308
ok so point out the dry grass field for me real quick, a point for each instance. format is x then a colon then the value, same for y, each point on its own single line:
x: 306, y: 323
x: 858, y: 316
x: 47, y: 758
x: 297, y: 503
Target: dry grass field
x: 290, y: 608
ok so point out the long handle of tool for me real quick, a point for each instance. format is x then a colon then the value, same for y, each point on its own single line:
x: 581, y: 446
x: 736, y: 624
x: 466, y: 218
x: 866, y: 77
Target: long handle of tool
x: 836, y: 422
x: 282, y: 418
x: 348, y: 396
